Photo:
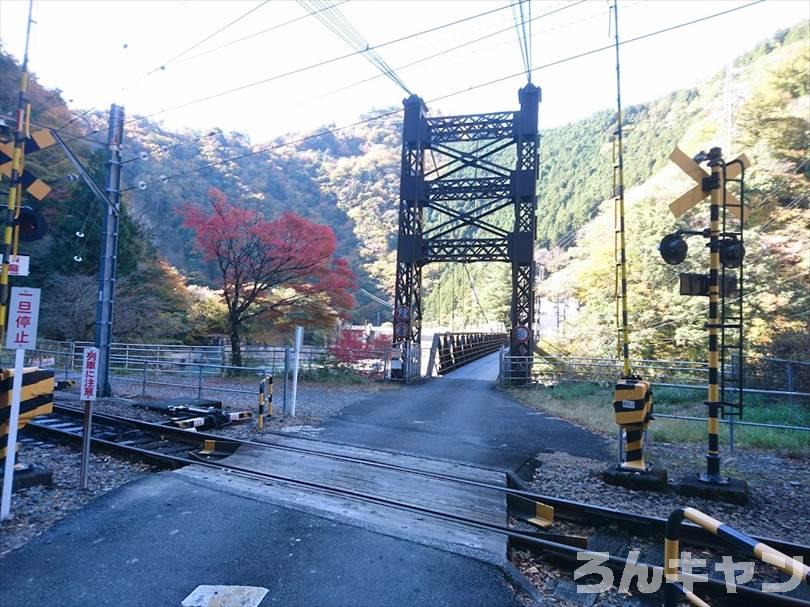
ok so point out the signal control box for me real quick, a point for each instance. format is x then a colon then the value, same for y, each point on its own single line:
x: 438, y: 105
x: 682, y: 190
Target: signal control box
x: 633, y: 407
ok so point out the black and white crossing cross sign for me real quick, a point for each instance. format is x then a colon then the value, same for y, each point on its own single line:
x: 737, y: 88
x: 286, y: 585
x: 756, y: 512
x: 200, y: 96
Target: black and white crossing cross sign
x: 30, y: 182
x: 688, y: 200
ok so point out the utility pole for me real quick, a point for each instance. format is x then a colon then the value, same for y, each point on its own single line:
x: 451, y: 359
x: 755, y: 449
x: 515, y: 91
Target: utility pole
x: 14, y: 189
x: 109, y: 249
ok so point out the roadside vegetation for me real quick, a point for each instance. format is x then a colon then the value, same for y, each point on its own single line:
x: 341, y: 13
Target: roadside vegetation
x: 590, y: 405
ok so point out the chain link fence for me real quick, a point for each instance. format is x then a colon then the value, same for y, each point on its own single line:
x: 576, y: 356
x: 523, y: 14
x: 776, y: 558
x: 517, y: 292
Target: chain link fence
x: 774, y: 378
x: 789, y: 378
x: 202, y: 371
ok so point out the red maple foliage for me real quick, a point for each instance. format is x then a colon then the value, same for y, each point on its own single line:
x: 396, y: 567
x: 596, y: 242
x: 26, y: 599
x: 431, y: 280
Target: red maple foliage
x: 353, y: 346
x: 268, y: 267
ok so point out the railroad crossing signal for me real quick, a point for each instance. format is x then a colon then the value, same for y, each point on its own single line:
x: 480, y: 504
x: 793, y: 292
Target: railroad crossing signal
x: 697, y: 193
x: 30, y: 182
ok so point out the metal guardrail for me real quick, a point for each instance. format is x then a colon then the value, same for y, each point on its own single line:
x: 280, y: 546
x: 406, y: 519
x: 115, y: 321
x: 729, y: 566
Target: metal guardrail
x: 200, y: 377
x: 761, y: 375
x: 552, y: 369
x: 673, y: 587
x: 369, y: 362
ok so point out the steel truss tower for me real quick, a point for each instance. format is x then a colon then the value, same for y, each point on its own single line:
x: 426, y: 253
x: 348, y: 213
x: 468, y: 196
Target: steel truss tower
x: 457, y: 172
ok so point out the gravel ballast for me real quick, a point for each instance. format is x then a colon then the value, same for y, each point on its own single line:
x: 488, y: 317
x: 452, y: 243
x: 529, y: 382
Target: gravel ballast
x: 36, y: 508
x: 779, y: 488
x: 779, y: 507
x: 315, y: 402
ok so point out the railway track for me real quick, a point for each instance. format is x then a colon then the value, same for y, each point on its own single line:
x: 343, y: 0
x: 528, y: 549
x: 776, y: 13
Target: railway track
x: 173, y: 447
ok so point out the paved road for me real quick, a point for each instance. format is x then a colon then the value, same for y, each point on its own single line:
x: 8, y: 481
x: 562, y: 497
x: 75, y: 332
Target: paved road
x: 462, y: 417
x: 150, y: 543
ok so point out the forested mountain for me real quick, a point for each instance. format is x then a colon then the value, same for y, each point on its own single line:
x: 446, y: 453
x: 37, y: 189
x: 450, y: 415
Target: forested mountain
x: 770, y: 89
x: 349, y: 179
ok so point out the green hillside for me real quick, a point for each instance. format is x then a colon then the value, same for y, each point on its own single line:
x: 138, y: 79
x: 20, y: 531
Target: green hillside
x: 350, y: 180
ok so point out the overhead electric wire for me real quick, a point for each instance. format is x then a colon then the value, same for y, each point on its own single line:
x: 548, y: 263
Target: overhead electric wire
x: 450, y: 49
x: 376, y: 299
x: 216, y: 32
x: 265, y: 149
x: 254, y: 34
x: 320, y: 64
x: 608, y: 47
x: 692, y: 315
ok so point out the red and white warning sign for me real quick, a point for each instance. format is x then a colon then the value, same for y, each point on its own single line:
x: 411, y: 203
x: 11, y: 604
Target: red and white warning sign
x: 18, y: 265
x: 89, y: 374
x: 23, y: 316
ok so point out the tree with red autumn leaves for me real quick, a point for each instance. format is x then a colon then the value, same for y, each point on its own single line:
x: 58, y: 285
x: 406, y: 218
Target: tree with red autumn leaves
x: 267, y: 267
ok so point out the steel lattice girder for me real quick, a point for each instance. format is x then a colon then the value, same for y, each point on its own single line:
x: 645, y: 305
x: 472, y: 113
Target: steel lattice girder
x: 496, y: 188
x: 466, y: 250
x: 472, y: 127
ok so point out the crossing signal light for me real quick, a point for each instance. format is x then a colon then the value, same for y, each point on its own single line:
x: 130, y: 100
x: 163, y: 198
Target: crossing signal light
x: 732, y: 252
x: 673, y: 248
x: 31, y: 223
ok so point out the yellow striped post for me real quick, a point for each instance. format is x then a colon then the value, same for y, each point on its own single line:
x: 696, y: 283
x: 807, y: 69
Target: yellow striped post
x: 14, y: 190
x: 713, y: 400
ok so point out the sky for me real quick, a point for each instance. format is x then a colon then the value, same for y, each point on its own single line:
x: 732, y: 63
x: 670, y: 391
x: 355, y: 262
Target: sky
x: 100, y: 52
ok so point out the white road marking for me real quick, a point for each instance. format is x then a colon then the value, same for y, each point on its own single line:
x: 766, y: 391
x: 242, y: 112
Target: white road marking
x: 225, y: 596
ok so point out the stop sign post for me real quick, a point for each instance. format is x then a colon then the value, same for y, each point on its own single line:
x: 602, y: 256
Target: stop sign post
x: 21, y: 335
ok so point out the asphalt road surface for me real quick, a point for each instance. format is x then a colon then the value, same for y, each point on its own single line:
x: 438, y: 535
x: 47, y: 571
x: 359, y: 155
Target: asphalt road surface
x: 152, y: 542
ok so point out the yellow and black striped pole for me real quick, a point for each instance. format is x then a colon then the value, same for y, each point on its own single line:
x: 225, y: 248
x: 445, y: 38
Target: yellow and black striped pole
x: 716, y: 186
x: 14, y: 190
x: 632, y: 402
x: 260, y: 417
x: 265, y: 401
x: 741, y: 542
x: 623, y: 337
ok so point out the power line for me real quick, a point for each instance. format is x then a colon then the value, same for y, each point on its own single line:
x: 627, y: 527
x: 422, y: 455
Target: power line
x: 796, y: 201
x: 311, y: 66
x: 603, y: 48
x: 553, y: 11
x: 447, y: 50
x: 254, y: 34
x: 216, y: 32
x: 689, y: 317
x: 323, y: 133
x: 163, y: 65
x: 269, y: 148
x: 450, y: 49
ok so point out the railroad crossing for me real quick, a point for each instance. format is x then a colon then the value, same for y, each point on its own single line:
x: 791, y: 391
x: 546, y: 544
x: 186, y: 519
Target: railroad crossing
x: 320, y: 545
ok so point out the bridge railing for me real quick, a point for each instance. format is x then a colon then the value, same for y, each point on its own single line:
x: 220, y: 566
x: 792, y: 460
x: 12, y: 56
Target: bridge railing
x: 450, y: 351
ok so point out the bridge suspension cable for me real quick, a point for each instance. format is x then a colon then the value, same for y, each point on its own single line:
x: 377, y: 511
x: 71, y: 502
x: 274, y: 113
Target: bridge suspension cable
x: 318, y: 65
x: 475, y: 296
x: 330, y: 16
x: 524, y: 35
x: 466, y: 90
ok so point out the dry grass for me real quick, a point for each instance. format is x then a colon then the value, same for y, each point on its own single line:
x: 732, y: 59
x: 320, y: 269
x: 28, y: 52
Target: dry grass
x: 590, y: 406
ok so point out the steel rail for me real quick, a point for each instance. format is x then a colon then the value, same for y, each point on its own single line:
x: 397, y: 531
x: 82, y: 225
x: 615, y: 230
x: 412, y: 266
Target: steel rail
x: 564, y: 509
x: 570, y: 554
